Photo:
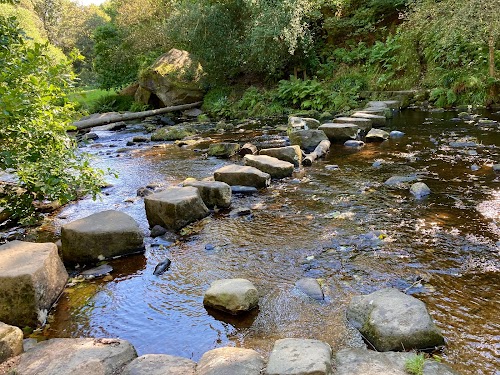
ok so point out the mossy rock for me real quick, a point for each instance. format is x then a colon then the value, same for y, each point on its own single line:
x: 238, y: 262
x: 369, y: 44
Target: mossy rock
x: 172, y: 133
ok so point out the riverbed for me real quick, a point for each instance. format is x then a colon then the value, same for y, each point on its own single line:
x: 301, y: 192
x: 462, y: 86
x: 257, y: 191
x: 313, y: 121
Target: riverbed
x: 335, y: 221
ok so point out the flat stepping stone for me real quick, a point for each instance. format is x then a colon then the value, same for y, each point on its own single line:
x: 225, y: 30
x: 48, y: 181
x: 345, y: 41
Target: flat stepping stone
x: 230, y: 361
x: 275, y: 167
x: 376, y: 135
x: 378, y: 120
x: 291, y: 154
x: 160, y: 364
x: 392, y: 320
x: 340, y: 132
x: 100, y: 236
x: 362, y: 123
x: 300, y: 357
x: 242, y: 175
x: 213, y: 193
x: 76, y: 356
x: 377, y: 104
x: 31, y: 278
x: 11, y: 341
x: 307, y: 140
x: 311, y: 288
x: 175, y: 207
x: 233, y: 296
x: 375, y: 111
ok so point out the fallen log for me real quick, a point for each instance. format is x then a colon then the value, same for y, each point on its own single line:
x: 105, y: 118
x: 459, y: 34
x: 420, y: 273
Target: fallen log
x: 318, y: 152
x: 108, y: 119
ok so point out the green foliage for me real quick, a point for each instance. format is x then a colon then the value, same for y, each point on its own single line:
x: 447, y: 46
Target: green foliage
x: 35, y: 115
x: 216, y: 102
x: 111, y: 103
x: 415, y: 365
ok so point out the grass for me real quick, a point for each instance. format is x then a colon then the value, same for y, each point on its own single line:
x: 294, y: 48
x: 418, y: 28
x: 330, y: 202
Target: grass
x: 87, y: 97
x: 415, y: 364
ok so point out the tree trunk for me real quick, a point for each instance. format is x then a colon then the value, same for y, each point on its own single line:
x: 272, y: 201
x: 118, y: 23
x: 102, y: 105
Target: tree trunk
x: 491, y: 48
x: 114, y: 117
x: 318, y: 152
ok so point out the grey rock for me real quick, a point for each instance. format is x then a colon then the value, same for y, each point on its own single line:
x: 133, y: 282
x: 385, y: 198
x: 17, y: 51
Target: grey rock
x: 104, y: 234
x: 376, y: 135
x: 377, y: 104
x: 275, y: 167
x: 243, y: 190
x: 340, y: 132
x: 213, y: 193
x: 140, y: 139
x: 462, y: 144
x: 31, y: 278
x: 310, y: 287
x: 223, y: 149
x: 311, y: 123
x: 496, y: 168
x: 400, y: 181
x: 377, y: 120
x: 90, y: 136
x: 381, y: 111
x: 160, y: 364
x: 240, y: 211
x: 157, y: 231
x: 233, y: 296
x: 29, y: 343
x: 299, y: 357
x: 175, y: 207
x: 76, y: 357
x: 391, y: 320
x: 193, y: 112
x: 307, y: 139
x: 297, y: 123
x: 230, y: 361
x: 100, y: 271
x: 354, y: 143
x: 392, y: 104
x: 171, y: 133
x: 291, y: 154
x: 396, y: 134
x: 144, y: 192
x: 11, y: 341
x: 242, y: 175
x: 364, y: 124
x: 420, y: 190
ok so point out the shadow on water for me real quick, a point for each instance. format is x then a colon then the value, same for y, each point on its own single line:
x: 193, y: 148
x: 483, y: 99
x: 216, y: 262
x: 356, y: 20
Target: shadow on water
x: 342, y: 226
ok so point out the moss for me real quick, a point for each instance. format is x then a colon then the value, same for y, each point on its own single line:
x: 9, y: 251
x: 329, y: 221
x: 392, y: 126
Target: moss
x: 415, y: 365
x: 173, y: 133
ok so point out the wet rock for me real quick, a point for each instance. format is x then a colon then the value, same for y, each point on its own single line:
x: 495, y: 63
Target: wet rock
x: 243, y: 190
x: 233, y: 296
x: 420, y: 190
x: 157, y: 231
x: 300, y: 357
x: 369, y: 362
x: 307, y: 139
x: 381, y: 111
x: 291, y: 154
x: 230, y: 361
x: 297, y: 123
x: 311, y: 123
x: 143, y: 192
x: 223, y: 149
x: 400, y: 181
x: 242, y: 175
x: 31, y: 278
x: 332, y: 167
x: 160, y: 364
x: 462, y: 144
x: 90, y: 136
x: 166, y: 121
x: 396, y: 134
x: 392, y: 320
x: 275, y: 167
x: 101, y: 235
x: 240, y: 211
x: 175, y: 207
x: 340, y: 132
x: 377, y: 135
x: 11, y: 341
x: 377, y: 120
x: 353, y: 143
x: 100, y: 271
x: 475, y: 167
x: 140, y: 139
x: 363, y: 124
x: 213, y: 193
x: 76, y: 356
x: 171, y: 133
x: 310, y: 287
x: 496, y: 168
x: 162, y: 267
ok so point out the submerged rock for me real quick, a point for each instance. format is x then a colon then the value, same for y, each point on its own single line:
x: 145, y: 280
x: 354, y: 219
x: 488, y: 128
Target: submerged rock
x: 233, y: 296
x: 100, y: 271
x: 400, y: 181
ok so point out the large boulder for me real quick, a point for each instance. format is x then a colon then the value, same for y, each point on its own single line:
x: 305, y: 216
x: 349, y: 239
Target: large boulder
x: 369, y: 362
x: 307, y: 139
x: 242, y: 176
x: 300, y: 357
x: 363, y: 123
x: 76, y: 357
x: 31, y: 278
x: 230, y: 361
x: 175, y: 207
x: 291, y: 154
x: 213, y: 193
x: 160, y: 364
x: 392, y: 320
x: 233, y: 296
x: 275, y: 167
x: 337, y: 132
x: 173, y: 79
x: 101, y: 235
x: 11, y: 341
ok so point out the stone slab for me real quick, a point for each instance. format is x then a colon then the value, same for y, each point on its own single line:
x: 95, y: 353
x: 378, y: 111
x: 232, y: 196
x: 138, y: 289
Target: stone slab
x: 363, y: 123
x: 213, y: 193
x: 230, y: 361
x: 275, y: 167
x: 291, y: 154
x: 340, y: 132
x: 160, y: 364
x: 242, y: 175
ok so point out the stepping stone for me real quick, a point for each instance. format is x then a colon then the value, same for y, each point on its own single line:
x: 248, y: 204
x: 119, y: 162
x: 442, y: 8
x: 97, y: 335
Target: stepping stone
x: 223, y: 149
x: 233, y: 296
x: 375, y: 119
x: 307, y: 140
x: 31, y: 278
x: 340, y: 132
x: 11, y: 341
x: 242, y: 175
x: 297, y: 123
x: 377, y: 104
x: 175, y: 207
x: 392, y: 320
x: 375, y: 111
x: 275, y: 167
x: 377, y: 135
x: 213, y: 193
x: 362, y: 123
x: 76, y: 356
x: 230, y: 361
x: 160, y: 364
x: 392, y: 104
x: 300, y: 357
x: 100, y: 236
x: 291, y: 154
x: 311, y: 288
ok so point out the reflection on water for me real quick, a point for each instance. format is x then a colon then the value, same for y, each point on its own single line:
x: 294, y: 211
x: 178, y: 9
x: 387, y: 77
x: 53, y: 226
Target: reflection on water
x: 342, y: 226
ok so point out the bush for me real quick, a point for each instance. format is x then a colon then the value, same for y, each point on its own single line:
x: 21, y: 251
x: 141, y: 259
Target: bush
x: 112, y: 103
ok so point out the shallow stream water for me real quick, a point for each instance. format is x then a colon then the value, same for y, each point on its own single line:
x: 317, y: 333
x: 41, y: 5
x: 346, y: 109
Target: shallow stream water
x: 341, y: 225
